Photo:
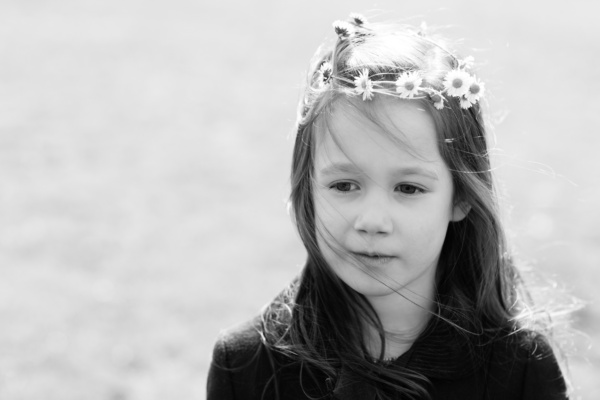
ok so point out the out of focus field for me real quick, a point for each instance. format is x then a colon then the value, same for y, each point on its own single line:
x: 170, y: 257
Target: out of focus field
x: 144, y: 154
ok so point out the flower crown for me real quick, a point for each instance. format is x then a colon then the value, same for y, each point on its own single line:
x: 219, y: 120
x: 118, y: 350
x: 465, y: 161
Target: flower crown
x: 458, y: 82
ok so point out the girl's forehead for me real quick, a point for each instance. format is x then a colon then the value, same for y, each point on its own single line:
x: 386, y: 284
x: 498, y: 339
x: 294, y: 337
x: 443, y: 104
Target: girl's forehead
x: 390, y: 125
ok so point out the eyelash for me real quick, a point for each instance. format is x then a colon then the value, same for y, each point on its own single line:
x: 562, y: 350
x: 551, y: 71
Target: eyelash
x: 335, y: 186
x: 417, y: 189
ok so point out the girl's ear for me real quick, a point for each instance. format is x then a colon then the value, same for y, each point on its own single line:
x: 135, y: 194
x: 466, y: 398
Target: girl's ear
x: 460, y: 211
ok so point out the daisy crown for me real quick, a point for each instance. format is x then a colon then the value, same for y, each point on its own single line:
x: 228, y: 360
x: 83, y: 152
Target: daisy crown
x: 377, y: 59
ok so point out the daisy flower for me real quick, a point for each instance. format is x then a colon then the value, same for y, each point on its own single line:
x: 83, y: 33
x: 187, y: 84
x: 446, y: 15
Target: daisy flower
x: 476, y: 91
x: 358, y: 19
x: 364, y: 85
x: 457, y: 82
x: 408, y: 84
x: 324, y: 74
x: 465, y: 103
x: 342, y: 29
x: 438, y: 100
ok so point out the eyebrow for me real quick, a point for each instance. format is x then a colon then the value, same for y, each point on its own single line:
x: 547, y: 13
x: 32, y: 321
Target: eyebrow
x: 343, y: 167
x: 337, y: 168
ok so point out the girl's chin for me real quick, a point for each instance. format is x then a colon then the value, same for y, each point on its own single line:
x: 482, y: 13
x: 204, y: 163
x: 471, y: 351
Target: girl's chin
x: 375, y: 292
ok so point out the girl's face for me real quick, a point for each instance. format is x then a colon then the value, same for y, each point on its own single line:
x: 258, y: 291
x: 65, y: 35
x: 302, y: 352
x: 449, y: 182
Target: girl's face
x: 382, y: 204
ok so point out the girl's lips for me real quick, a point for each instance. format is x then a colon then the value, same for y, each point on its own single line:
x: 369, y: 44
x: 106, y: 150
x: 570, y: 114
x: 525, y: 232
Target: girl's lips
x: 370, y: 254
x: 374, y: 259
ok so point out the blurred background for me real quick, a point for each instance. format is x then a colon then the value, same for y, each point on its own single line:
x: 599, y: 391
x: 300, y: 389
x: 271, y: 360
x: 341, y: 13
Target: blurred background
x: 144, y: 157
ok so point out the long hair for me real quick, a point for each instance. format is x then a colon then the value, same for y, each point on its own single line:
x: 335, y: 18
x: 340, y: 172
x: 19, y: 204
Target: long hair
x: 320, y: 321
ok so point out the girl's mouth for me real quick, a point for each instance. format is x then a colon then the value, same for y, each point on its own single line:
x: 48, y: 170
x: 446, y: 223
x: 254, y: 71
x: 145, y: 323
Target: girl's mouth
x: 373, y: 259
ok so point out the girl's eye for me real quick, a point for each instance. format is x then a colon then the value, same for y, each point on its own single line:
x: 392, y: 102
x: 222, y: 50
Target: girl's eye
x: 343, y: 186
x: 409, y: 189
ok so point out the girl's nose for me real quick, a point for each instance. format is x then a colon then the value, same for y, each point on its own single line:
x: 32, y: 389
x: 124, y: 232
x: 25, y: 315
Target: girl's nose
x: 374, y: 219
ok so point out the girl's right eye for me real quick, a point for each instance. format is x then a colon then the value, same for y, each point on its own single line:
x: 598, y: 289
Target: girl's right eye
x: 344, y: 186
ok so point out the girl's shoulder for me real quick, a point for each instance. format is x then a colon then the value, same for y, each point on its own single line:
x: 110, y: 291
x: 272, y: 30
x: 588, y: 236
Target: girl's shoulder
x: 241, y: 365
x: 522, y: 344
x: 242, y: 342
x: 527, y: 358
x: 238, y: 344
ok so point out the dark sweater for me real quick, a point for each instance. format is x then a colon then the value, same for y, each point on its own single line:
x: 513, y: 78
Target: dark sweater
x: 517, y: 366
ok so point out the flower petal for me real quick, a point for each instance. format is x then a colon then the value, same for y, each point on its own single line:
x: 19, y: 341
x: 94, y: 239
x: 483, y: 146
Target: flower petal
x: 457, y: 82
x: 408, y: 84
x: 342, y: 29
x: 363, y: 85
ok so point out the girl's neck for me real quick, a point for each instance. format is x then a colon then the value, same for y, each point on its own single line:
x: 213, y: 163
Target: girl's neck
x: 403, y: 318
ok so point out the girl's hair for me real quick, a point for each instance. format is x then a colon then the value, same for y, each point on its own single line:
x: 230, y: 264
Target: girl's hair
x: 319, y: 320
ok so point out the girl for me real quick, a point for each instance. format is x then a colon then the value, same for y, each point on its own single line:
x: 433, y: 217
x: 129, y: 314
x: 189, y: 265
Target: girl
x: 409, y: 291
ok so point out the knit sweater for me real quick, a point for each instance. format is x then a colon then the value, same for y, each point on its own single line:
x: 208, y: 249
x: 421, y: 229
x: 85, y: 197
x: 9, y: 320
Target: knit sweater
x: 509, y: 367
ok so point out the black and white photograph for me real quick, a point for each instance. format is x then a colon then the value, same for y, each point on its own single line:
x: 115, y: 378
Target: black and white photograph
x: 279, y: 200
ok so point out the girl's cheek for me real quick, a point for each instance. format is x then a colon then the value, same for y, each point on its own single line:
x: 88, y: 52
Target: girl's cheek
x: 324, y: 204
x: 330, y: 217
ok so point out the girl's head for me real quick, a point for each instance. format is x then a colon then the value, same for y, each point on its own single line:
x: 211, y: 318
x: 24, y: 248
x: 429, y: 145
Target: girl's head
x: 391, y: 182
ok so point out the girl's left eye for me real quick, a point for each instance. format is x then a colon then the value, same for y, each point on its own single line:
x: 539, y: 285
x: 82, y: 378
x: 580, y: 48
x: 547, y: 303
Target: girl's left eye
x: 409, y: 189
x: 343, y: 186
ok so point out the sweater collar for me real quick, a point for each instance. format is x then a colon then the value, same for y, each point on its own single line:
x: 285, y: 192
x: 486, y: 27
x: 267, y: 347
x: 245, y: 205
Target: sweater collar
x: 440, y: 352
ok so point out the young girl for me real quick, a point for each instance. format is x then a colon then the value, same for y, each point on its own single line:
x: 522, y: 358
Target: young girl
x: 409, y: 291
